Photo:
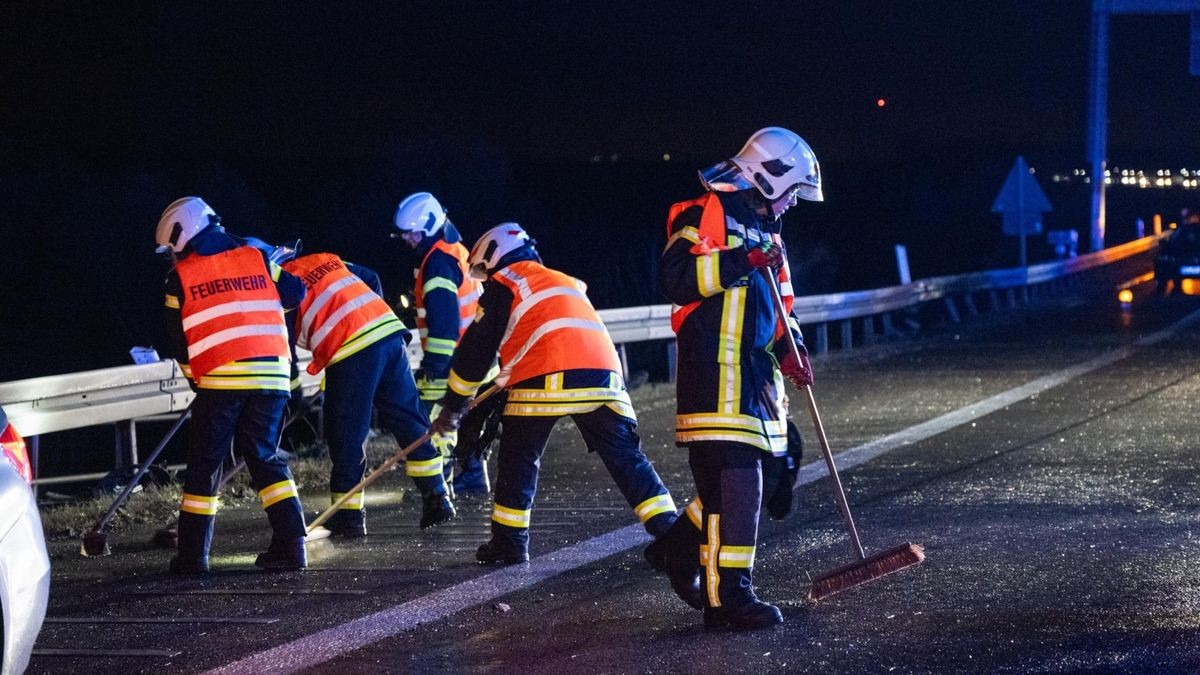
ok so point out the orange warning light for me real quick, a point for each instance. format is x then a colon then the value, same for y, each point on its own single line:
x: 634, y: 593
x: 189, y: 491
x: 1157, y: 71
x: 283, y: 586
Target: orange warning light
x: 881, y: 102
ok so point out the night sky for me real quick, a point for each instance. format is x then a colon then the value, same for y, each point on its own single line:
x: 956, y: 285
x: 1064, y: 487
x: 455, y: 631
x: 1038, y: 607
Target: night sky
x: 567, y: 80
x: 314, y: 119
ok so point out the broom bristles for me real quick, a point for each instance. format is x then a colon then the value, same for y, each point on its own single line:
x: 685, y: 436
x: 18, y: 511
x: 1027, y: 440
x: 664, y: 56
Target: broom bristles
x: 863, y: 571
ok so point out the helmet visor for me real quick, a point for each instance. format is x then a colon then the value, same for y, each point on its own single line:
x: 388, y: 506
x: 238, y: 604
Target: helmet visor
x: 724, y: 177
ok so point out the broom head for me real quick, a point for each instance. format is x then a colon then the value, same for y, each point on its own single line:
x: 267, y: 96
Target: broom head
x: 862, y: 571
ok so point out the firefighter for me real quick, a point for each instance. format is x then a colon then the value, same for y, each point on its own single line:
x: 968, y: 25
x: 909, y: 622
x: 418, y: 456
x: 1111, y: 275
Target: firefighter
x: 733, y: 359
x: 225, y: 323
x: 557, y: 360
x: 445, y: 296
x: 360, y: 343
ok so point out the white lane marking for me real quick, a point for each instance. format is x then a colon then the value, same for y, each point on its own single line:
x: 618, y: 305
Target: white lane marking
x: 326, y: 645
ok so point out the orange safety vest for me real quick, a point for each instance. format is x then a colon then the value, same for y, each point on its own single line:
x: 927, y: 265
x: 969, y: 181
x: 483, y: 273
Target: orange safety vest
x: 468, y: 290
x: 552, y: 325
x: 231, y: 309
x: 337, y: 308
x: 714, y: 236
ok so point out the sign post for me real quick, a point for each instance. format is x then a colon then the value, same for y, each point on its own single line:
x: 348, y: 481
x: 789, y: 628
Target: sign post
x: 1021, y: 202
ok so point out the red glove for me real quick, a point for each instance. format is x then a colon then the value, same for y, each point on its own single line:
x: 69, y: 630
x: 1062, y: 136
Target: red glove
x: 799, y: 372
x: 766, y: 255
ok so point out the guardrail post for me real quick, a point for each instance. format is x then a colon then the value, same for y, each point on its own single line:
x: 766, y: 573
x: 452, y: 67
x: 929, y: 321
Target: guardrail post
x: 847, y: 334
x: 970, y: 303
x: 32, y: 444
x: 951, y: 310
x: 624, y: 361
x: 126, y: 454
x: 672, y: 360
x: 868, y: 329
x: 822, y: 338
x: 889, y: 326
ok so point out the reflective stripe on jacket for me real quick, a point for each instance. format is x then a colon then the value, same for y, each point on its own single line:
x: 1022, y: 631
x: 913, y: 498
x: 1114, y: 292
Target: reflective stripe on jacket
x: 552, y: 326
x: 231, y: 312
x: 467, y: 291
x: 340, y: 314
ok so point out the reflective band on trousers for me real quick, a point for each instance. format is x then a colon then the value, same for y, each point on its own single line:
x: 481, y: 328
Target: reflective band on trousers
x: 354, y: 503
x: 712, y: 577
x: 654, y: 506
x: 736, y: 556
x: 695, y: 513
x: 277, y: 492
x: 419, y: 468
x: 510, y: 517
x: 198, y: 504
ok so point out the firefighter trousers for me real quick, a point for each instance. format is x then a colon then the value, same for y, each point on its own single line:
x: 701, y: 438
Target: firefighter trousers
x: 729, y: 484
x: 252, y: 422
x: 377, y: 377
x: 613, y: 437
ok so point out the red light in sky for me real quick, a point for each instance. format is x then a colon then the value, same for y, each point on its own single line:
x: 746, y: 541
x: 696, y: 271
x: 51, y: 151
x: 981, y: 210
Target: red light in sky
x: 881, y: 102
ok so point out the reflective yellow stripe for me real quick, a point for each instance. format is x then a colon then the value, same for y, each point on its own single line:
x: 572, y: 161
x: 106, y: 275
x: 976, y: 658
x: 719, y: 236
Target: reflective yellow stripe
x: 277, y: 492
x: 420, y: 468
x: 355, y: 503
x: 460, y: 386
x: 755, y: 440
x: 623, y: 409
x: 654, y: 506
x: 172, y: 301
x: 187, y: 370
x: 736, y: 556
x: 710, y: 420
x: 554, y: 382
x: 198, y: 504
x: 368, y: 335
x: 439, y: 282
x: 689, y: 233
x: 708, y: 274
x: 244, y: 383
x: 695, y: 512
x: 567, y: 395
x: 439, y: 346
x: 276, y: 270
x: 729, y: 353
x: 704, y: 555
x: 270, y: 375
x: 510, y: 517
x: 550, y: 409
x: 710, y: 565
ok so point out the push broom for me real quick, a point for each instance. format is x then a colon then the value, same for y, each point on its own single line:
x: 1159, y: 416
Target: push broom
x: 863, y: 569
x: 316, y: 529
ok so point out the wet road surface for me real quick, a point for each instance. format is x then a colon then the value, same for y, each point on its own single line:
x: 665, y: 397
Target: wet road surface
x: 1061, y: 524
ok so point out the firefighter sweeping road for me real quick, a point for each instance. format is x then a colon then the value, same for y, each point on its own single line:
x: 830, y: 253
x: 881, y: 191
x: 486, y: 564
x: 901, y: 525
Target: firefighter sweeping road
x: 1044, y: 456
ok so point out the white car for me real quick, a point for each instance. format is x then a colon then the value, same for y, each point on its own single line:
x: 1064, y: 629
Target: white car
x: 24, y: 565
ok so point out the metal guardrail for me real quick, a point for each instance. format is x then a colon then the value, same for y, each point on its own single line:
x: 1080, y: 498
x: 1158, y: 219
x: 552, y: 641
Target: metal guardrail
x: 126, y: 394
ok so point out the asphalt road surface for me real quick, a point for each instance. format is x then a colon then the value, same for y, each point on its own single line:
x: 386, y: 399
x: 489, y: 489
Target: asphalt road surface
x: 1045, y: 458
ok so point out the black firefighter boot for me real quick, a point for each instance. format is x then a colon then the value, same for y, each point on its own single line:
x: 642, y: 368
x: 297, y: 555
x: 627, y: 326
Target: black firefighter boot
x: 195, y: 536
x: 740, y: 609
x: 436, y: 507
x: 347, y: 523
x: 508, y: 546
x: 286, y: 551
x: 677, y: 554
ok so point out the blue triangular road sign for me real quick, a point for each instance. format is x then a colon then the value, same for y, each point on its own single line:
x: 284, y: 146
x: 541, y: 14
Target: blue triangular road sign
x: 1020, y: 193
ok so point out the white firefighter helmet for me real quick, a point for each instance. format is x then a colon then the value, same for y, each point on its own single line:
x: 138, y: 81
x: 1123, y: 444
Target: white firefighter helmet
x: 181, y: 221
x: 419, y: 212
x: 494, y: 245
x: 775, y: 161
